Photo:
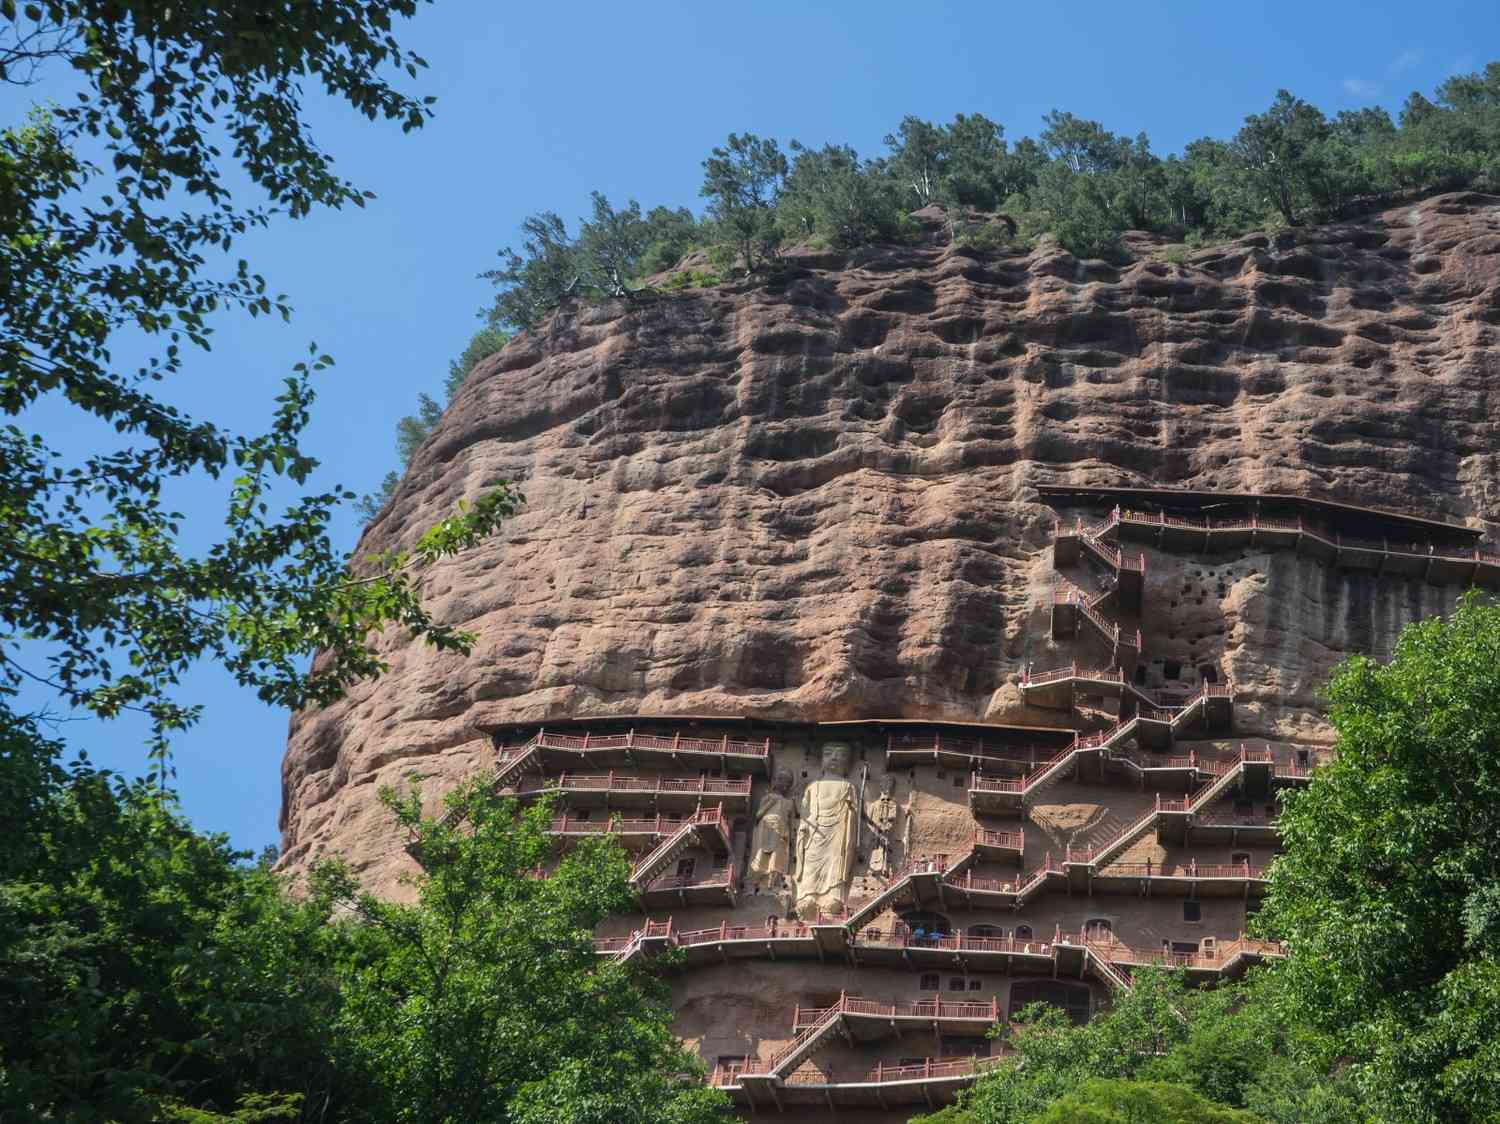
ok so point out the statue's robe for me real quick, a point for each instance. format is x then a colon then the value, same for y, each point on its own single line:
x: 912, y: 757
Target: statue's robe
x: 830, y: 814
x: 883, y: 819
x: 771, y: 843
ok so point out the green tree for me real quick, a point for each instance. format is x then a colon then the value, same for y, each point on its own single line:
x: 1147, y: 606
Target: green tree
x: 1278, y: 153
x: 1385, y: 892
x: 830, y: 192
x: 1139, y: 1102
x: 1079, y: 210
x: 1234, y: 1045
x: 534, y: 282
x: 144, y: 968
x: 741, y: 181
x: 111, y: 209
x: 918, y: 159
x: 670, y: 234
x: 484, y: 1000
x: 1053, y: 1057
x: 610, y: 246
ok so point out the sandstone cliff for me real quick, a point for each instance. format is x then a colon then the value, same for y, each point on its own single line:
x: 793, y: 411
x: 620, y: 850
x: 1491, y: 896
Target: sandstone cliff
x: 817, y: 498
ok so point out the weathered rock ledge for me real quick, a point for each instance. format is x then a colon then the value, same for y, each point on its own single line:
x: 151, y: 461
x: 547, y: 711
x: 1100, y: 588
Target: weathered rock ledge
x: 817, y: 498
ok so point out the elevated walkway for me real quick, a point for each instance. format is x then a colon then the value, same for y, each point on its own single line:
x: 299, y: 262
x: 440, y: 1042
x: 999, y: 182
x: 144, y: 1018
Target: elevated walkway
x: 656, y: 884
x: 1440, y: 563
x: 1056, y: 953
x: 1211, y: 705
x: 612, y: 790
x: 547, y: 751
x: 1127, y: 573
x: 1072, y: 607
x: 932, y: 1082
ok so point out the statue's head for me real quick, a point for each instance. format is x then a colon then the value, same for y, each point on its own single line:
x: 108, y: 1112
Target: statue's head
x: 836, y: 758
x: 887, y: 785
x: 781, y: 781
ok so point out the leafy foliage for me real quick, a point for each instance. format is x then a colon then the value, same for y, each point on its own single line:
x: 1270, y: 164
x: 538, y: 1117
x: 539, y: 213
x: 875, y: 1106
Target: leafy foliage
x: 110, y: 209
x: 1386, y: 890
x: 484, y: 1000
x: 142, y: 968
x: 1229, y: 1048
x: 742, y: 181
x: 1077, y: 181
x: 147, y: 973
x: 1139, y: 1102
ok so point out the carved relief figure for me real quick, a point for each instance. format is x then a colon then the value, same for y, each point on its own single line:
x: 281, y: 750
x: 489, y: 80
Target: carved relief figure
x: 771, y: 843
x: 882, y: 815
x: 827, y: 836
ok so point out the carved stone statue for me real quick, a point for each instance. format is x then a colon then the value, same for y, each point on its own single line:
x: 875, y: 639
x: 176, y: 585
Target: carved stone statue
x: 827, y: 836
x: 910, y: 808
x: 771, y: 843
x: 882, y: 815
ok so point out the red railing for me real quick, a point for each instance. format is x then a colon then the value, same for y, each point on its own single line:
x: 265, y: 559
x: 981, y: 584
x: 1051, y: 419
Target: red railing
x: 1000, y: 885
x: 1312, y: 530
x: 900, y: 935
x: 722, y: 877
x: 1215, y: 958
x: 609, y: 782
x: 566, y: 825
x: 1072, y: 671
x: 782, y: 930
x: 981, y: 783
x: 1209, y: 819
x: 922, y: 864
x: 962, y: 747
x: 988, y: 837
x: 636, y: 740
x: 704, y: 817
x: 1190, y: 869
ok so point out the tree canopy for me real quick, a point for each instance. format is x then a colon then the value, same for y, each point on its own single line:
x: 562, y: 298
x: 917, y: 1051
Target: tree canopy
x: 117, y: 222
x: 1386, y: 892
x: 1076, y: 180
x: 147, y: 972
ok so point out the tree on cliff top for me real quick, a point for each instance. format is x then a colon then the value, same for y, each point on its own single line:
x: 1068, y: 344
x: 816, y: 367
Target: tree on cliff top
x: 1386, y: 892
x: 742, y: 180
x: 110, y: 208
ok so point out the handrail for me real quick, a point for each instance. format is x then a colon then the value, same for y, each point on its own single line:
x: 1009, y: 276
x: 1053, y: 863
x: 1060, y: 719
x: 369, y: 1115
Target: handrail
x: 664, y: 881
x: 635, y: 740
x: 1191, y: 869
x: 704, y: 817
x: 1312, y: 530
x: 609, y: 782
x: 992, y: 838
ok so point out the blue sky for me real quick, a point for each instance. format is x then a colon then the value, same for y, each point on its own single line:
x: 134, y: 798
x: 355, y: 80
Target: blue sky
x: 540, y: 104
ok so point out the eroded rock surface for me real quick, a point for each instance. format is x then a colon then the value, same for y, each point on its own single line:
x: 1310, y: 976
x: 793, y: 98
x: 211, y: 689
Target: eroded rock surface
x: 817, y: 498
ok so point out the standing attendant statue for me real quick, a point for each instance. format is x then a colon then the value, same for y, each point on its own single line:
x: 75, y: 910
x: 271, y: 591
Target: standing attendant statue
x: 828, y: 835
x: 882, y: 815
x: 771, y: 843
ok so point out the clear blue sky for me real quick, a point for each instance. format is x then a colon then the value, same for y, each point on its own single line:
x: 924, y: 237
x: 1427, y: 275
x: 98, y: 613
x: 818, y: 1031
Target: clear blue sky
x: 539, y: 104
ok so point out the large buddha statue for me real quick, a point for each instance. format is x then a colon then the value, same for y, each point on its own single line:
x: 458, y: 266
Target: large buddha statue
x: 826, y: 837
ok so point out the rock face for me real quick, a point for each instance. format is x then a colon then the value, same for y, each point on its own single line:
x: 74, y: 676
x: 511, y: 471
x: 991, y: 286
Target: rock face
x: 817, y: 498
